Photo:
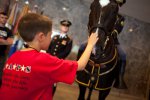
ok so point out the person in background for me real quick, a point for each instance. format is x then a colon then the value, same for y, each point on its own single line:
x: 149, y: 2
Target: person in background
x: 61, y: 44
x: 6, y: 38
x: 120, y: 83
x: 30, y: 74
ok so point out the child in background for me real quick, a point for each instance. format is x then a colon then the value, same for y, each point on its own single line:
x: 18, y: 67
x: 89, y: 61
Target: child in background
x: 30, y: 74
x: 6, y: 39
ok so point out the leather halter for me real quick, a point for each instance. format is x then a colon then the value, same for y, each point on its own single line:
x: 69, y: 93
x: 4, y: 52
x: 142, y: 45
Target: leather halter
x: 92, y: 63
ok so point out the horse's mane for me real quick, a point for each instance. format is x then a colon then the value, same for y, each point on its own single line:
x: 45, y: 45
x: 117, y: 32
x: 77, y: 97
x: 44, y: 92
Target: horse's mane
x: 94, y: 14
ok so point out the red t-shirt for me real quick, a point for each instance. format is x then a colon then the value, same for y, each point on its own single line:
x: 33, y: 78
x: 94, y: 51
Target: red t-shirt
x: 29, y: 75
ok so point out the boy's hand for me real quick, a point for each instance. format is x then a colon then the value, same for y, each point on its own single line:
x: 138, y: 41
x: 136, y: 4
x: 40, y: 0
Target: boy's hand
x: 2, y: 40
x: 93, y: 39
x: 82, y: 62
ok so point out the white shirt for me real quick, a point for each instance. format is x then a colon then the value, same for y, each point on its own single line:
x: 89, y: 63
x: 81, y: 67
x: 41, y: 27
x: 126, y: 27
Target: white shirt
x: 62, y: 35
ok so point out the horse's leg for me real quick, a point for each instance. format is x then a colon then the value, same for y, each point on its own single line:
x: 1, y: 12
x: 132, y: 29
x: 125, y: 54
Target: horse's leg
x: 103, y: 94
x: 82, y: 92
x: 90, y: 92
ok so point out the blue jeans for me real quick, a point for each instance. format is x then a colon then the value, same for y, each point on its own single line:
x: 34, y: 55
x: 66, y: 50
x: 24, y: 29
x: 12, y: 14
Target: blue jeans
x: 122, y: 56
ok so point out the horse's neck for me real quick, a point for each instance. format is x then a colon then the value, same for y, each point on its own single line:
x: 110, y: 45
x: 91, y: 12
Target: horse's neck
x: 104, y: 2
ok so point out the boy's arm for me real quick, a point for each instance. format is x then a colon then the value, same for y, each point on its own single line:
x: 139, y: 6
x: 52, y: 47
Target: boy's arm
x: 86, y: 54
x: 9, y: 41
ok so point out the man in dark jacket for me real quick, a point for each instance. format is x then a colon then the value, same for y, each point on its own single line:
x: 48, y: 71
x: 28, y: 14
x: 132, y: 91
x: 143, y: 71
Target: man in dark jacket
x: 120, y: 83
x: 61, y: 44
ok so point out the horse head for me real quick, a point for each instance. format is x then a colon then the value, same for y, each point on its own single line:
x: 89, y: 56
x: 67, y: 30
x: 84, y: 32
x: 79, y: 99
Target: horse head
x: 101, y: 20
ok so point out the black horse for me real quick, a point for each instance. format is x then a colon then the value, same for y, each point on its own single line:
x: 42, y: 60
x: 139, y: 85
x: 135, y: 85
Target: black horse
x: 102, y: 68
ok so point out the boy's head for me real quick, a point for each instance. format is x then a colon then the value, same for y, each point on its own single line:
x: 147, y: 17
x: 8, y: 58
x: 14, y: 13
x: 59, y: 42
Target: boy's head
x: 31, y: 24
x: 3, y: 18
x: 35, y: 30
x: 65, y: 24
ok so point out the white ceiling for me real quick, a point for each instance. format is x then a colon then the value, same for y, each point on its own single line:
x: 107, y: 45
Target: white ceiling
x: 139, y: 9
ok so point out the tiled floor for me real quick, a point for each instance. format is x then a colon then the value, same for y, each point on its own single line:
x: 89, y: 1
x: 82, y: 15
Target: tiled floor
x: 67, y: 92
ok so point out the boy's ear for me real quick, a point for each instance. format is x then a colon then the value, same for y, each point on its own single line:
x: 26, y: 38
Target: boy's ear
x: 41, y: 36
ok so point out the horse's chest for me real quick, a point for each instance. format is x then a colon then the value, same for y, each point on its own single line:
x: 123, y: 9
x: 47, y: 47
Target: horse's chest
x: 101, y: 68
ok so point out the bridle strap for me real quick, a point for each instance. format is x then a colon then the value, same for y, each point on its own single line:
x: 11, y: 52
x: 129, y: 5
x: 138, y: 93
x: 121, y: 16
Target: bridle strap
x: 97, y: 26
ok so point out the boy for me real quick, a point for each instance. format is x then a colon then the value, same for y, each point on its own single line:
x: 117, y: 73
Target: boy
x: 30, y: 74
x: 5, y: 40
